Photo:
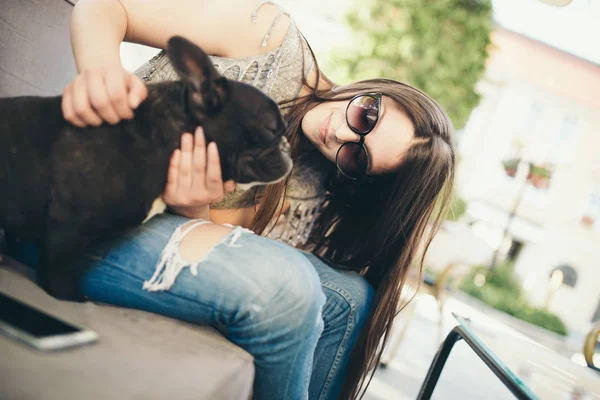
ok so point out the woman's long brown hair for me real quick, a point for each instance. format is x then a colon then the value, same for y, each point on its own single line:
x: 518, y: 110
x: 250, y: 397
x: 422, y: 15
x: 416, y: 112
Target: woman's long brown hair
x: 382, y: 226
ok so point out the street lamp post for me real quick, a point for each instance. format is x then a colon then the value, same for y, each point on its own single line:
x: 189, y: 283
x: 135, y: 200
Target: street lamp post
x: 556, y: 279
x: 522, y: 172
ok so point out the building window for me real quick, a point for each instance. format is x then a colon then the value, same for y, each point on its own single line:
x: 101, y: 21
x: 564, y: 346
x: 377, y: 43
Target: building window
x: 524, y: 126
x: 514, y: 250
x: 529, y: 152
x: 569, y: 275
x: 533, y: 117
x: 564, y: 140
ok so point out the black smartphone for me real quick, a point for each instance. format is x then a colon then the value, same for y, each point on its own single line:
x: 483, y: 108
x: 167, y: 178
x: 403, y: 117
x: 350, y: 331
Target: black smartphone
x: 39, y: 329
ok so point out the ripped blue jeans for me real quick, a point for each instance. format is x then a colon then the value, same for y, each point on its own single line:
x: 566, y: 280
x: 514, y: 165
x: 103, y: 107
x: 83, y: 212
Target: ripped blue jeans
x: 297, y: 316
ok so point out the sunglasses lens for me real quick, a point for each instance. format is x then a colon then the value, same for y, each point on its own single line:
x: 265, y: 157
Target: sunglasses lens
x: 352, y: 160
x: 362, y: 113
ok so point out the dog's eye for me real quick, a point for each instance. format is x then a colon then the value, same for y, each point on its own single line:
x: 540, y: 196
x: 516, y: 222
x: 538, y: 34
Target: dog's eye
x: 277, y: 130
x: 271, y: 133
x: 272, y: 125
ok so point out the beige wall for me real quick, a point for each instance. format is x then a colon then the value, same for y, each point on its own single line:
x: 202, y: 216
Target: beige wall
x: 524, y: 76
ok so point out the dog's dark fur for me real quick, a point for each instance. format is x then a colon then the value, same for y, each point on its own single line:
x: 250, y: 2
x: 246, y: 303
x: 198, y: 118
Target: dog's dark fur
x: 64, y: 187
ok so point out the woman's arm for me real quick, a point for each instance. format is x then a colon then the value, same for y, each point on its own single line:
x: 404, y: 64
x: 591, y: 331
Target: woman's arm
x: 97, y: 29
x: 104, y: 91
x: 220, y: 27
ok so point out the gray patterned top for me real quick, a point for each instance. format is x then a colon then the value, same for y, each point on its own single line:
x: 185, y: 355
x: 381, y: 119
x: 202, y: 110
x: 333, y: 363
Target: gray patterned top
x: 278, y: 73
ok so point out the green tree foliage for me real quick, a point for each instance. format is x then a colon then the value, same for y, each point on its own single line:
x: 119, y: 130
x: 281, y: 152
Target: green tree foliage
x: 439, y: 46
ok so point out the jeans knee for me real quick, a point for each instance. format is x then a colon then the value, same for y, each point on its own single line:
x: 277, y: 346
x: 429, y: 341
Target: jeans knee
x: 304, y: 295
x: 292, y: 299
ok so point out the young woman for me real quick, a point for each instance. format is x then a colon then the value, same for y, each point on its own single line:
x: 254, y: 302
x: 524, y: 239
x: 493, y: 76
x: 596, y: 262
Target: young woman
x: 312, y: 293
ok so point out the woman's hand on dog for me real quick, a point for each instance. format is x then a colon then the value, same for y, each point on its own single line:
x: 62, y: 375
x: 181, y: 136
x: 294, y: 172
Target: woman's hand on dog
x: 194, y: 179
x: 102, y: 94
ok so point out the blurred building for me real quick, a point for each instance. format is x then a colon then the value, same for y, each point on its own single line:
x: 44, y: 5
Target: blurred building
x: 530, y: 163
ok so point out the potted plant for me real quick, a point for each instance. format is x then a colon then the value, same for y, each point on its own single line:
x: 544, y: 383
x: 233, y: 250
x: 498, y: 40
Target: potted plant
x: 587, y: 221
x: 510, y: 166
x: 539, y: 176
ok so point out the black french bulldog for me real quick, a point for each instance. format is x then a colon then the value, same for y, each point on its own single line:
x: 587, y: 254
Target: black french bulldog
x: 64, y: 187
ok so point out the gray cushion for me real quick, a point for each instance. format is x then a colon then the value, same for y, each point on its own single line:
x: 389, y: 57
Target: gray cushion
x: 138, y: 356
x: 35, y: 50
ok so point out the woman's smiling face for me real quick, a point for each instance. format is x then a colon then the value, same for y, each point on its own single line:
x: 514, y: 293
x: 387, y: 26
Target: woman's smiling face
x: 326, y: 127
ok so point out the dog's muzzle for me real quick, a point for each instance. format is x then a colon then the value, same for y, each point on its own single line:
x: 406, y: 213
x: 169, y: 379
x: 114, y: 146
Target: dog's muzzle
x: 270, y: 165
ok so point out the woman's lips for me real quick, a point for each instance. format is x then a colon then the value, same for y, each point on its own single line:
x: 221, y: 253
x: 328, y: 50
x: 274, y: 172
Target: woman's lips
x: 325, y: 129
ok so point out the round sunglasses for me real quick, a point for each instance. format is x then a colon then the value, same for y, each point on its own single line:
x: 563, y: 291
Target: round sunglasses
x: 362, y: 114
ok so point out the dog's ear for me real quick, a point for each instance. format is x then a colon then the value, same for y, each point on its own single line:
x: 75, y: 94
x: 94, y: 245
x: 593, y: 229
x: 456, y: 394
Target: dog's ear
x: 208, y: 89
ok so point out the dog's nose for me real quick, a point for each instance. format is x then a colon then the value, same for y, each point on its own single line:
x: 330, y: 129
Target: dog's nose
x: 284, y: 145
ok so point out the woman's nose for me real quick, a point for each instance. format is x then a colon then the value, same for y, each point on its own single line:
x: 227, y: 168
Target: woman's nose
x: 345, y: 134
